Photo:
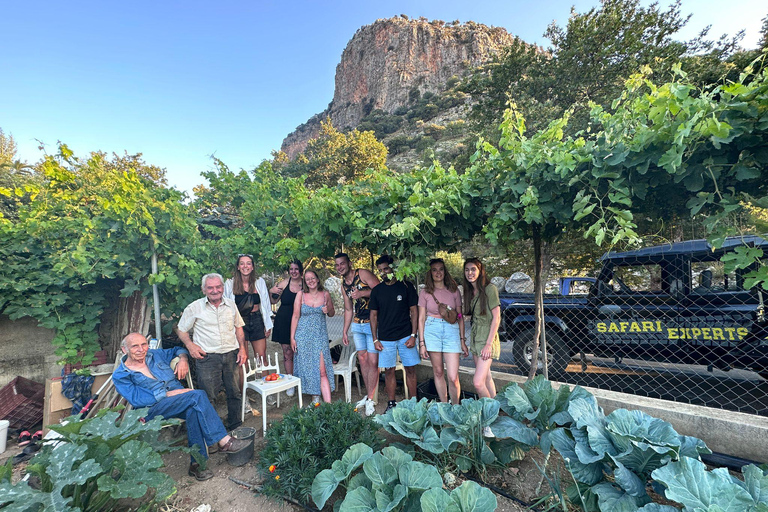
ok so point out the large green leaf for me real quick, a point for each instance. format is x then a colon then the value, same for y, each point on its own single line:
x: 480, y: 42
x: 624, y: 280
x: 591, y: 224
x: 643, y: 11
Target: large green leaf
x: 430, y: 441
x: 616, y: 500
x: 380, y: 470
x: 756, y: 483
x: 437, y: 500
x: 449, y: 438
x: 136, y: 472
x: 506, y: 427
x: 688, y: 482
x: 472, y: 497
x: 629, y: 482
x: 359, y: 500
x: 514, y: 401
x: 324, y: 484
x: 589, y: 474
x: 419, y: 476
x: 61, y: 471
x: 396, y: 456
x: 386, y: 502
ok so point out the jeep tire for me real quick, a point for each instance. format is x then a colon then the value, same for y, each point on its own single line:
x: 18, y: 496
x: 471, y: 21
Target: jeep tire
x: 522, y: 351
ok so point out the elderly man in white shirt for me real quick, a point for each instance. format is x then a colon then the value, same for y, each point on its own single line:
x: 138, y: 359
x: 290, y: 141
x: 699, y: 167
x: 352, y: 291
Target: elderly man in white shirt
x: 218, y: 346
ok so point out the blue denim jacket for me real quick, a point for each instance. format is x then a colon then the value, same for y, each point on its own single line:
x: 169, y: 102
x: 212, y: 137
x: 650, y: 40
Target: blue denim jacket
x: 140, y: 390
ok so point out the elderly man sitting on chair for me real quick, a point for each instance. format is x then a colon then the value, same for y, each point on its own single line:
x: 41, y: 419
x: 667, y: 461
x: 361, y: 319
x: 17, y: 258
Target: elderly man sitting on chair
x: 146, y: 379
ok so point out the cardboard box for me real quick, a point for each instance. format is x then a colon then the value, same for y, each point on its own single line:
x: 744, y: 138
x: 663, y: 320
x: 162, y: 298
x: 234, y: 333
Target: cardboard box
x: 57, y: 406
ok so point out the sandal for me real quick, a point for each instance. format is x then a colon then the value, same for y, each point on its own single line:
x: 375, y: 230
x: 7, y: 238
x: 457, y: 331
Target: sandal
x: 37, y: 436
x: 24, y: 438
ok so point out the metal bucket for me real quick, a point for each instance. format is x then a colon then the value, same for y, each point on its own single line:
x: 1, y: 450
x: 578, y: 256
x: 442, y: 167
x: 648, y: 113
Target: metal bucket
x: 243, y: 456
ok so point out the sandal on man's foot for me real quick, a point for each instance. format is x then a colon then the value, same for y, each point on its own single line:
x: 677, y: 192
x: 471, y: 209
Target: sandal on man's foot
x: 200, y: 474
x: 234, y: 445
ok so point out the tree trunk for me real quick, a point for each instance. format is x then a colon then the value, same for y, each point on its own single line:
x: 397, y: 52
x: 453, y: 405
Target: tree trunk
x: 132, y: 314
x: 539, y: 338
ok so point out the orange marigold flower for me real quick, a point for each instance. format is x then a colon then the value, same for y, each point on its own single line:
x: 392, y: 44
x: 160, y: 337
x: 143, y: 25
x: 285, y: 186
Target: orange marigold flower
x: 272, y: 468
x: 317, y: 404
x: 277, y: 477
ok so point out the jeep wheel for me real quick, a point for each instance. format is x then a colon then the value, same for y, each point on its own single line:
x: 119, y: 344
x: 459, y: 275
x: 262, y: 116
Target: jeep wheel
x: 522, y: 351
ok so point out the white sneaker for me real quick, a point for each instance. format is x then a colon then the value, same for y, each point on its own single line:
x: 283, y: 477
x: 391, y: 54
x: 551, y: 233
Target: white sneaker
x: 370, y: 407
x: 361, y: 403
x: 487, y: 432
x: 291, y: 392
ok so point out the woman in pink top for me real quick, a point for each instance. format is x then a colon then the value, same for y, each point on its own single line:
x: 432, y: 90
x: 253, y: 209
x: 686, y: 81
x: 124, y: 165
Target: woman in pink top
x: 440, y: 341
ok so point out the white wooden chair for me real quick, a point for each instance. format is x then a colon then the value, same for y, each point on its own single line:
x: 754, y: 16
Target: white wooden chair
x: 346, y: 366
x: 399, y: 366
x: 257, y: 383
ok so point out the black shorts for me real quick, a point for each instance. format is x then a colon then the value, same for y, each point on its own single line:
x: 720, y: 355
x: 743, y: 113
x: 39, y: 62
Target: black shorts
x: 254, y: 327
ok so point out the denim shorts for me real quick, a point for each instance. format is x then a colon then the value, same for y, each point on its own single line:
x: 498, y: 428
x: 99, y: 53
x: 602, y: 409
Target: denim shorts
x: 440, y: 336
x: 408, y: 356
x: 361, y: 334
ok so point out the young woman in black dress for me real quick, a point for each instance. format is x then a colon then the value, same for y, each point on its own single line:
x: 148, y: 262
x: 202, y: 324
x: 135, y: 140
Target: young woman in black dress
x: 285, y: 292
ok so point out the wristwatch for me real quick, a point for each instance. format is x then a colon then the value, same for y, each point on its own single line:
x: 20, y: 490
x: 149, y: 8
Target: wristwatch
x: 413, y: 335
x: 449, y: 308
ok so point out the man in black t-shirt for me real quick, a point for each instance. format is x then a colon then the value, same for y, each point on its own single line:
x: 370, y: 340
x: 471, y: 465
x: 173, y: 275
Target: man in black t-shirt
x: 394, y: 319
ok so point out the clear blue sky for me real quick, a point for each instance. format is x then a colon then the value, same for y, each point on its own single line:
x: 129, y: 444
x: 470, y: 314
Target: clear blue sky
x: 179, y: 81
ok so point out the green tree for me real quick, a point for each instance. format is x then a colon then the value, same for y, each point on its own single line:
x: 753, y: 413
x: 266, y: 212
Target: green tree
x: 7, y: 147
x: 334, y: 157
x: 88, y: 231
x: 17, y: 178
x: 588, y: 61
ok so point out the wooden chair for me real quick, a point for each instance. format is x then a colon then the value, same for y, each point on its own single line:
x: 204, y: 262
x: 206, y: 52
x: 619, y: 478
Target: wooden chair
x: 266, y: 388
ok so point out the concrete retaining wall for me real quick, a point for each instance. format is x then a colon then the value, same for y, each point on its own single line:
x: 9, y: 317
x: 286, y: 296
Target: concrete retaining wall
x: 732, y: 433
x: 26, y: 350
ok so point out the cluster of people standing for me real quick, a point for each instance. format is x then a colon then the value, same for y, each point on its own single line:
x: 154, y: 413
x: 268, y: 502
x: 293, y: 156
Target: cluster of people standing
x: 385, y: 316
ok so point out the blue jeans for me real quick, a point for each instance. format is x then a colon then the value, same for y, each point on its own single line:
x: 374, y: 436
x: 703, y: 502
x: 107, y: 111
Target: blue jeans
x: 215, y: 370
x: 204, y: 426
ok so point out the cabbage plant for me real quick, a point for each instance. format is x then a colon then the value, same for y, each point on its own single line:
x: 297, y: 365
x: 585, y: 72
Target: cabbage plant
x: 627, y: 446
x: 391, y: 480
x: 451, y: 436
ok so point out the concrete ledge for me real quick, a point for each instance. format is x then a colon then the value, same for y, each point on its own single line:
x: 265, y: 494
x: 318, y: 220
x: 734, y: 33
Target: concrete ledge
x: 732, y: 433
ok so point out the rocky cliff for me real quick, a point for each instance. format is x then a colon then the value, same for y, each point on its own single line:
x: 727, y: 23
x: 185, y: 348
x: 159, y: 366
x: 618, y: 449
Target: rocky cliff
x: 392, y: 61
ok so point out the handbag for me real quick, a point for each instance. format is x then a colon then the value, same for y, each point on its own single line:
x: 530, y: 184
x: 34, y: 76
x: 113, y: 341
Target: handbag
x: 447, y: 313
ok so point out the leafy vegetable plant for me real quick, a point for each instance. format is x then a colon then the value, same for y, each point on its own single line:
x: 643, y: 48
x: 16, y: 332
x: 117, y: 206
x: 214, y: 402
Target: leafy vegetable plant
x: 626, y: 445
x: 391, y: 480
x: 688, y: 482
x: 97, y: 463
x: 307, y: 441
x: 451, y: 436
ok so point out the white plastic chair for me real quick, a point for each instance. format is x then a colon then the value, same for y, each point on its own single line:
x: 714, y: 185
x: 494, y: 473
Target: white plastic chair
x: 399, y: 366
x: 266, y: 388
x: 346, y: 366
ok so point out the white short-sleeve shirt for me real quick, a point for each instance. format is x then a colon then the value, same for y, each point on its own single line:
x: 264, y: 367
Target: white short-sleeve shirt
x: 213, y: 328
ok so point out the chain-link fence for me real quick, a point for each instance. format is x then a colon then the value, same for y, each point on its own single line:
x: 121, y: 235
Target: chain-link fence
x: 664, y: 322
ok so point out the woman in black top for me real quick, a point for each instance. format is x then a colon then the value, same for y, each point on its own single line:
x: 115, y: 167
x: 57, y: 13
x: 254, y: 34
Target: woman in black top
x: 250, y: 295
x: 285, y: 292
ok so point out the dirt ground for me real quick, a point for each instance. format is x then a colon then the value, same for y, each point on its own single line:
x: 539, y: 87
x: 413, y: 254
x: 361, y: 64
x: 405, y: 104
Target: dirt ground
x: 224, y: 495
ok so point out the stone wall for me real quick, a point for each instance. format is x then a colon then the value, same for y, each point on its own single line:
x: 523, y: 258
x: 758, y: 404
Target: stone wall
x: 26, y: 350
